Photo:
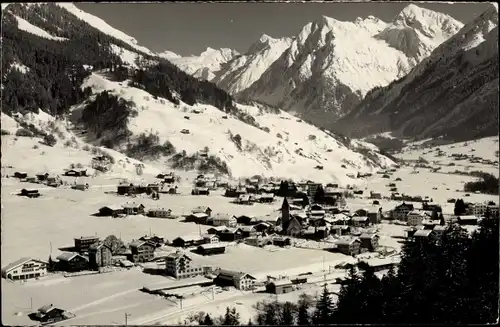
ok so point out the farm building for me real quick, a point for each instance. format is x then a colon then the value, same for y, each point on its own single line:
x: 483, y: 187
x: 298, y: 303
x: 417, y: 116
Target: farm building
x: 210, y: 238
x: 248, y: 231
x: 154, y: 240
x: 20, y: 175
x: 24, y: 268
x: 76, y: 173
x: 224, y: 220
x: 110, y: 211
x: 230, y: 235
x: 245, y: 220
x: 360, y: 221
x: 198, y: 218
x: 215, y: 230
x: 50, y: 314
x: 188, y: 241
x: 160, y: 213
x: 30, y: 193
x: 379, y: 264
x: 203, y: 209
x: 133, y: 209
x: 211, y: 249
x: 467, y: 220
x: 280, y: 286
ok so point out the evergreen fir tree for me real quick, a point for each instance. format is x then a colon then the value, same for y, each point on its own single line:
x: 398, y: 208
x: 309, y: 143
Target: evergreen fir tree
x: 207, y: 321
x: 303, y: 318
x: 323, y: 311
x: 288, y: 310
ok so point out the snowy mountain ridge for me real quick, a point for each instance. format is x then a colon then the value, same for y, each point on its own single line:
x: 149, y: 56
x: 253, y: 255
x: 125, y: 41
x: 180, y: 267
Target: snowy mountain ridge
x: 331, y: 65
x: 464, y: 106
x: 204, y: 65
x: 243, y: 140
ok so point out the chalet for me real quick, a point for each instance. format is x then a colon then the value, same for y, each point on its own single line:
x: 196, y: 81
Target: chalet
x: 160, y: 213
x: 233, y: 192
x: 361, y: 213
x: 71, y: 262
x: 179, y: 266
x: 99, y: 255
x: 431, y: 207
x: 203, y: 209
x: 75, y: 173
x: 199, y: 218
x: 210, y: 239
x: 282, y: 241
x: 321, y: 232
x: 280, y: 286
x: 374, y: 195
x: 423, y: 234
x: 273, y: 220
x: 239, y: 280
x: 258, y: 241
x: 216, y: 229
x: 415, y: 217
x: 246, y: 220
x: 154, y: 240
x: 467, y: 220
x: 30, y: 193
x: 20, y: 175
x: 430, y: 224
x: 317, y: 221
x: 401, y: 211
x: 224, y: 220
x: 349, y: 246
x: 49, y: 314
x: 82, y: 244
x: 339, y: 219
x: 133, y: 209
x: 24, y: 268
x: 309, y: 233
x: 360, y: 221
x: 340, y: 229
x: 369, y: 241
x: 266, y: 198
x: 141, y: 251
x: 210, y: 249
x: 262, y: 227
x: 110, y: 211
x: 123, y: 189
x: 188, y: 241
x: 230, y: 235
x: 248, y: 231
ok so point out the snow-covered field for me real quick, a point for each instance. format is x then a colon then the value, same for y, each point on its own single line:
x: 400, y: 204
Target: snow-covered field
x: 278, y: 152
x: 32, y: 227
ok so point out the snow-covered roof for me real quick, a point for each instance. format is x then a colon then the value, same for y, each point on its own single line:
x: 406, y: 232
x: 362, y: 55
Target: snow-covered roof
x: 66, y: 256
x: 188, y: 238
x: 367, y: 236
x: 211, y: 246
x: 199, y: 215
x: 18, y: 263
x: 347, y: 241
x: 356, y: 218
x: 281, y: 282
x: 423, y: 233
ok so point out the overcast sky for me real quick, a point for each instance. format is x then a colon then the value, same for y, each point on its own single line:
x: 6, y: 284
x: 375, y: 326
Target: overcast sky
x: 189, y: 28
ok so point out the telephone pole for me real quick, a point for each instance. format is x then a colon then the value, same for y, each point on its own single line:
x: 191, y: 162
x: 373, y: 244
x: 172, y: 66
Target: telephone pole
x: 126, y: 318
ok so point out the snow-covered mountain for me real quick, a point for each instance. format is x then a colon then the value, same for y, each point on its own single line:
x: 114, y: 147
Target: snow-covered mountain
x: 453, y: 93
x: 100, y: 80
x: 331, y: 65
x: 242, y: 71
x: 203, y: 66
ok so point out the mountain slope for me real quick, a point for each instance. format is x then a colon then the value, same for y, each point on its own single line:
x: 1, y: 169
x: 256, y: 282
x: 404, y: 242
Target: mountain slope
x: 331, y: 65
x: 203, y: 66
x: 241, y: 72
x: 103, y: 90
x: 453, y: 93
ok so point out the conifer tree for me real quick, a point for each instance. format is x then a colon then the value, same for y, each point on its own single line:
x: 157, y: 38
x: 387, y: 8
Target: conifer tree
x: 323, y: 311
x: 207, y: 321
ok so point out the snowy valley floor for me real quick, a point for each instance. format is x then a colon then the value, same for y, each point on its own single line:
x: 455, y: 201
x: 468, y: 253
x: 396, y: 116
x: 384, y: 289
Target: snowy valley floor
x: 31, y: 227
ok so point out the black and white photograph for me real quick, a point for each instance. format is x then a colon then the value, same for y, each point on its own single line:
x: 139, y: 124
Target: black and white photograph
x: 249, y: 163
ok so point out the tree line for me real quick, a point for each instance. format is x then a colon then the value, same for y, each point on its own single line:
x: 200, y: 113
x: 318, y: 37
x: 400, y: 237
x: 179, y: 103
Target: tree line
x: 450, y: 281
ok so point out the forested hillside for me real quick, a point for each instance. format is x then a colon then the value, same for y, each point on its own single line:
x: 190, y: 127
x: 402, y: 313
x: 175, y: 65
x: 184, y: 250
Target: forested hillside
x: 56, y: 68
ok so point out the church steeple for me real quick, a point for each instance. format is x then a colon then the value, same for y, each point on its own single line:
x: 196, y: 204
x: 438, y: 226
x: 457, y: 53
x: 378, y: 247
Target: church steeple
x: 285, y: 213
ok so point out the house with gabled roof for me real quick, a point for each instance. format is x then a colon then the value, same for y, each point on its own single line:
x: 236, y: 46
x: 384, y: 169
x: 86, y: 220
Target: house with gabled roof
x: 141, y: 251
x: 224, y: 220
x: 198, y: 218
x: 24, y: 268
x: 369, y: 241
x: 99, y: 255
x: 180, y: 266
x: 203, y: 209
x: 188, y: 241
x: 240, y: 280
x: 349, y: 246
x: 72, y: 262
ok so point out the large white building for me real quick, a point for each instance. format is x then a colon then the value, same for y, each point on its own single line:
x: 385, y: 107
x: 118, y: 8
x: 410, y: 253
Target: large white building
x: 479, y: 209
x: 24, y: 268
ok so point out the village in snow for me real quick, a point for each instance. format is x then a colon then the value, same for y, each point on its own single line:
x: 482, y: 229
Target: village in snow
x: 106, y: 240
